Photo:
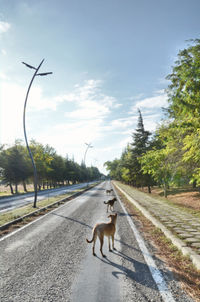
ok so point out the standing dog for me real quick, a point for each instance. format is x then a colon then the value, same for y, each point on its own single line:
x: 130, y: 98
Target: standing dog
x: 104, y: 229
x: 110, y: 203
x: 109, y: 191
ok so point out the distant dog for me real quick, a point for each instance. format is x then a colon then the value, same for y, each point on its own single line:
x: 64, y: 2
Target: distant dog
x: 104, y: 229
x: 109, y: 191
x: 110, y: 203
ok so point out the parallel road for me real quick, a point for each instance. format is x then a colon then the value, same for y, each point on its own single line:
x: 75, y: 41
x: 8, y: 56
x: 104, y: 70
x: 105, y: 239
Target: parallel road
x: 12, y: 202
x: 50, y: 260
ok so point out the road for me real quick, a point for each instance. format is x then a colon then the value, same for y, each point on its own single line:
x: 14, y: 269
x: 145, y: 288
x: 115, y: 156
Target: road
x: 50, y: 260
x: 12, y: 202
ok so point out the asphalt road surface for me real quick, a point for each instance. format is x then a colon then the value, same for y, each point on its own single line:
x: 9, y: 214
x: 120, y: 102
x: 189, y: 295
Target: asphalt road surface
x: 50, y: 260
x: 12, y: 202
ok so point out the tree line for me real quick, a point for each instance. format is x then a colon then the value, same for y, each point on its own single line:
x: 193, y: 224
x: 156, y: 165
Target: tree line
x: 170, y: 155
x: 52, y: 169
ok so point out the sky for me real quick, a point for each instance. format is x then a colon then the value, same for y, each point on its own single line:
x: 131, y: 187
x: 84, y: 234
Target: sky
x: 109, y: 58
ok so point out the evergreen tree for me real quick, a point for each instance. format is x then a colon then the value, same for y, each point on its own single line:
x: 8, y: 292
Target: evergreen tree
x: 139, y: 147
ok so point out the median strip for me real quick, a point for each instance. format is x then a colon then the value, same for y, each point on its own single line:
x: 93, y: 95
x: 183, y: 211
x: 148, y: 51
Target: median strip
x: 42, y: 210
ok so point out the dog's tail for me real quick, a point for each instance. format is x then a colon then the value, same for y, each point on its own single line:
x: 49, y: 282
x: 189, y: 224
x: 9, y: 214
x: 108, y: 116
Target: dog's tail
x: 90, y: 241
x: 106, y: 202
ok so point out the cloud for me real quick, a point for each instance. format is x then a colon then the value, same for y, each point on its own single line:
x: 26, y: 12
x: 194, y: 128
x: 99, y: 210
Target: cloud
x: 90, y: 102
x: 151, y: 104
x: 12, y: 99
x: 84, y: 114
x: 3, y: 76
x: 87, y: 100
x: 4, y: 27
x: 3, y: 52
x: 122, y: 123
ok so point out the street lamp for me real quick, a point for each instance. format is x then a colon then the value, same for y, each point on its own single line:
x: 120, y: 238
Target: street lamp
x: 26, y: 140
x: 88, y: 146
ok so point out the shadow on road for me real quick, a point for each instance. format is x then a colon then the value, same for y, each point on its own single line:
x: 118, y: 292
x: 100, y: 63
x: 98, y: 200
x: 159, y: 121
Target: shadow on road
x: 72, y: 219
x: 140, y: 273
x: 124, y: 214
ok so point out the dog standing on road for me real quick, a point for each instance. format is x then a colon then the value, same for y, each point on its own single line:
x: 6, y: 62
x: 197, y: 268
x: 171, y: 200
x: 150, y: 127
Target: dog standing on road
x: 109, y: 191
x: 104, y: 229
x: 110, y: 203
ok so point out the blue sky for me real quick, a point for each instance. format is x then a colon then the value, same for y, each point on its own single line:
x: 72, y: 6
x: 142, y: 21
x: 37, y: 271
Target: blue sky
x: 108, y: 58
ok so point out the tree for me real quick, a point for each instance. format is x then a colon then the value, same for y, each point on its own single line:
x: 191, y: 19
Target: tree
x: 184, y: 90
x: 140, y: 146
x: 114, y: 168
x: 15, y: 167
x: 43, y: 155
x: 184, y: 106
x: 56, y: 170
x: 157, y: 164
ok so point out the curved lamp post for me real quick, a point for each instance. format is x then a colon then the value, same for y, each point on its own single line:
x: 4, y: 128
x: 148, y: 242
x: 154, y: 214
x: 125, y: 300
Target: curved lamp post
x: 24, y: 125
x: 88, y: 146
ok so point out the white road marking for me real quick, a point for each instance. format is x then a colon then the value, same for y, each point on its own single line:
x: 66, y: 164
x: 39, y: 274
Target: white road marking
x: 155, y: 272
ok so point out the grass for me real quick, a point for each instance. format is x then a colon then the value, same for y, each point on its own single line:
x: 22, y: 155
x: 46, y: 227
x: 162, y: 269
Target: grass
x: 181, y: 266
x: 27, y: 209
x: 5, y: 190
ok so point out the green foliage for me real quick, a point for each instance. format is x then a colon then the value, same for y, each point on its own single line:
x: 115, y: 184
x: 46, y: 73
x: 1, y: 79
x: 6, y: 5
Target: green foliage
x: 128, y: 167
x: 172, y: 156
x: 15, y: 167
x: 52, y: 169
x: 184, y: 108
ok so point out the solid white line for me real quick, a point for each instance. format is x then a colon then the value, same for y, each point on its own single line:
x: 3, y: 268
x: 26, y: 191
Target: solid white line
x: 155, y: 272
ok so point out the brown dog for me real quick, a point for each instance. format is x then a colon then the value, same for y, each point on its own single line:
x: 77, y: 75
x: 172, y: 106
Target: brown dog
x: 104, y: 229
x: 109, y: 191
x: 110, y: 203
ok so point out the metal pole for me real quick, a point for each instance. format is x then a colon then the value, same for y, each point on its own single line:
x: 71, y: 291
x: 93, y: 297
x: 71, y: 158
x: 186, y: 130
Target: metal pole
x: 24, y: 124
x: 88, y: 146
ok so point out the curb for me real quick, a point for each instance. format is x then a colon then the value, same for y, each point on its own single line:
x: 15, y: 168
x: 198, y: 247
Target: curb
x: 176, y: 241
x: 20, y: 219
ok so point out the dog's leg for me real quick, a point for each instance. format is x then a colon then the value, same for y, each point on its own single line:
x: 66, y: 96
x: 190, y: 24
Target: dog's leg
x: 93, y: 248
x: 113, y: 243
x: 101, y: 246
x: 109, y: 244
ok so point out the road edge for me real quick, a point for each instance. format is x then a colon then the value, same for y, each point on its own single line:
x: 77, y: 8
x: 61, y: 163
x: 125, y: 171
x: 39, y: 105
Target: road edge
x: 187, y: 251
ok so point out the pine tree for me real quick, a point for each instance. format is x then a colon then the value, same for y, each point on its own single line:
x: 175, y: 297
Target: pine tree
x: 139, y: 146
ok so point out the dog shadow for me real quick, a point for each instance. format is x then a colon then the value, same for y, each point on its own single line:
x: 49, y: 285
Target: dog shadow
x: 140, y: 273
x: 122, y: 214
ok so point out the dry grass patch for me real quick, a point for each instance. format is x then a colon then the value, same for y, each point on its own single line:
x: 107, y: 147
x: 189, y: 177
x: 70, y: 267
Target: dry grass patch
x: 185, y: 197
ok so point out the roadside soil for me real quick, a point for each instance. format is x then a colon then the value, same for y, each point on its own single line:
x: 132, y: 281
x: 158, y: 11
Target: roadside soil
x: 186, y: 197
x: 181, y: 266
